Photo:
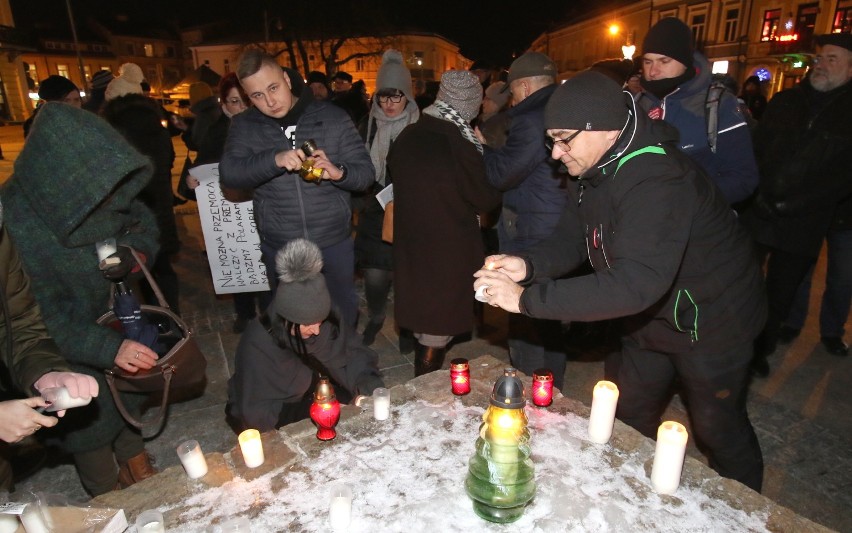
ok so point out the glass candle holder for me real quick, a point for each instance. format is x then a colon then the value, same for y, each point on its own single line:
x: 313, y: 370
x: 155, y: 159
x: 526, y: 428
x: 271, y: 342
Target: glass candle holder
x: 192, y: 459
x: 460, y: 376
x: 325, y: 411
x: 542, y: 393
x: 150, y: 521
x: 252, y: 448
x: 381, y: 403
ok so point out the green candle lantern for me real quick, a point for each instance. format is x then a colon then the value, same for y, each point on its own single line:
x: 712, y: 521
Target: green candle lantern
x: 500, y: 477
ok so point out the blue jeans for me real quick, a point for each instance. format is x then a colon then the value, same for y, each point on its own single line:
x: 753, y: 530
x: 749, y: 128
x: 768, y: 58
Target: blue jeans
x: 837, y: 297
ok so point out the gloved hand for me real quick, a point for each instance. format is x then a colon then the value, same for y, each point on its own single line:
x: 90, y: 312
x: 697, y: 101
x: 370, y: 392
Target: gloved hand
x: 118, y: 265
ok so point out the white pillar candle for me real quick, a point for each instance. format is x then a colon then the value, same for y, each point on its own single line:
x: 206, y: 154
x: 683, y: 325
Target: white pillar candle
x: 252, y: 448
x: 105, y: 248
x: 381, y: 403
x: 60, y: 399
x: 150, y: 521
x: 192, y: 459
x: 340, y: 507
x: 602, y: 417
x: 668, y: 457
x: 8, y: 523
x: 33, y: 520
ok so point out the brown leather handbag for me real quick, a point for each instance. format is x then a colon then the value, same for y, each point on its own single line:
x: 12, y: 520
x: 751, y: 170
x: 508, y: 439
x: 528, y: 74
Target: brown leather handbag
x: 387, y: 223
x: 183, y: 365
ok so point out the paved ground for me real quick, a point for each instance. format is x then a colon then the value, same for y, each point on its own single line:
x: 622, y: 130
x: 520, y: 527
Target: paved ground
x: 801, y: 412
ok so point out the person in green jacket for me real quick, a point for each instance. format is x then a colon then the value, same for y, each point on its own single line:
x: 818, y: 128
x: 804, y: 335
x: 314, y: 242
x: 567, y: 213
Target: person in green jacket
x: 76, y: 183
x: 29, y: 360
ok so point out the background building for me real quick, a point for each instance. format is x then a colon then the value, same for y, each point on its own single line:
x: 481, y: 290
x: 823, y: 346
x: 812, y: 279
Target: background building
x: 772, y: 39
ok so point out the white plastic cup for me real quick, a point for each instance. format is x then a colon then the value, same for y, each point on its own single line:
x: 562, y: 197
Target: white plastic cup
x: 192, y: 459
x: 150, y: 521
x: 340, y: 507
x: 105, y: 248
x: 381, y: 403
x: 60, y: 399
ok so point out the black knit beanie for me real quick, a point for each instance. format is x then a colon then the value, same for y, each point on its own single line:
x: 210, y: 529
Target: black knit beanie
x: 302, y: 296
x: 670, y: 37
x: 589, y: 101
x: 55, y: 88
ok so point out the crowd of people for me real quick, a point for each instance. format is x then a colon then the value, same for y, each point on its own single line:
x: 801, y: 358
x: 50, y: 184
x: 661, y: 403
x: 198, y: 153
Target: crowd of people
x: 620, y: 196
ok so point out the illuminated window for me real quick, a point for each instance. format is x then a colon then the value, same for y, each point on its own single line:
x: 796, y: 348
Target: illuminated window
x: 62, y: 70
x: 805, y: 21
x: 227, y: 66
x: 359, y: 65
x: 149, y: 49
x: 771, y: 21
x: 842, y: 22
x: 732, y: 22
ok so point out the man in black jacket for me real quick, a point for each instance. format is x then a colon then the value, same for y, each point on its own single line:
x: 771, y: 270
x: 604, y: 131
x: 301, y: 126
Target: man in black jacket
x: 802, y: 146
x: 669, y: 259
x: 263, y: 153
x: 534, y: 197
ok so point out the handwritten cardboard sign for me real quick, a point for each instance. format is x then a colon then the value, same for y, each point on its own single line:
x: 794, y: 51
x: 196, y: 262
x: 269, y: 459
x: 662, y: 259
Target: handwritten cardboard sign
x: 230, y: 235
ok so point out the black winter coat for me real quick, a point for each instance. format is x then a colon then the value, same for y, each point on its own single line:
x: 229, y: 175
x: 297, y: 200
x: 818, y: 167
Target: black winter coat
x: 287, y: 207
x: 806, y: 178
x: 439, y: 186
x: 669, y: 254
x: 268, y: 373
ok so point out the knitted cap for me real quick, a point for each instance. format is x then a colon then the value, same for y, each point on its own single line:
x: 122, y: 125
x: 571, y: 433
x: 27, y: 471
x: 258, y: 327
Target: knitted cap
x: 843, y: 40
x: 129, y: 81
x: 316, y: 76
x: 345, y: 76
x: 672, y: 38
x: 617, y: 69
x: 55, y: 88
x: 496, y: 93
x: 531, y: 64
x: 460, y: 89
x: 198, y: 91
x: 394, y: 75
x: 101, y: 79
x: 301, y: 297
x: 589, y: 101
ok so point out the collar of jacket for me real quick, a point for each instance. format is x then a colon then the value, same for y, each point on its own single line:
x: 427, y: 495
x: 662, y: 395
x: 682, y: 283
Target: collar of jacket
x: 536, y: 100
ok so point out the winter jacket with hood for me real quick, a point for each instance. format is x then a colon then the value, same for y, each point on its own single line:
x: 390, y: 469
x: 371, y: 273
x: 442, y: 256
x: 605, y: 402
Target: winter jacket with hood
x: 75, y: 183
x: 669, y: 254
x: 286, y: 207
x: 732, y: 167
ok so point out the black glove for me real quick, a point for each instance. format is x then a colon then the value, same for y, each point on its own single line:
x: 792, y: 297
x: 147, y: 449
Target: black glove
x: 118, y: 265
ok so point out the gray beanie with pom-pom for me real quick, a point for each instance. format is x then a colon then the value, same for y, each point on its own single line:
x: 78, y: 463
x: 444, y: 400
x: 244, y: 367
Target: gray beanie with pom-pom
x: 302, y: 296
x: 394, y: 75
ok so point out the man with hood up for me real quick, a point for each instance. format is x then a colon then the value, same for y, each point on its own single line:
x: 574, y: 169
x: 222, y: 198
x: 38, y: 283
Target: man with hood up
x: 69, y: 192
x: 670, y: 260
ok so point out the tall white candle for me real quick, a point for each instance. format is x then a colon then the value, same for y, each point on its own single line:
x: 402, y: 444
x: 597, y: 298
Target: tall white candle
x: 192, y: 459
x: 381, y: 403
x: 8, y: 523
x: 668, y: 457
x: 105, y: 248
x: 60, y: 399
x: 252, y: 448
x: 602, y: 417
x: 340, y: 507
x: 33, y: 520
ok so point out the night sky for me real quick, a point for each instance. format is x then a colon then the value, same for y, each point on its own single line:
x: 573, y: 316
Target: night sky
x: 490, y: 31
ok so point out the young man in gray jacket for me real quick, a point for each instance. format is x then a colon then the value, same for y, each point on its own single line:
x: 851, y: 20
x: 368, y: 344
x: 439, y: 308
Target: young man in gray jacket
x: 263, y: 152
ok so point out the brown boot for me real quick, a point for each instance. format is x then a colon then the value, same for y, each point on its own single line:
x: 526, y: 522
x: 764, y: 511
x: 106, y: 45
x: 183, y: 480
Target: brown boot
x: 135, y: 470
x: 428, y: 359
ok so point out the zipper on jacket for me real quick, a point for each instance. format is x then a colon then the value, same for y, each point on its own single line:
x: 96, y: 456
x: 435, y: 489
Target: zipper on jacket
x: 581, y: 187
x: 298, y: 180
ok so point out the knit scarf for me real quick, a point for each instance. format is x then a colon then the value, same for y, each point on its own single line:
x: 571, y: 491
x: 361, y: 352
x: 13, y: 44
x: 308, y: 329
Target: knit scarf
x: 387, y: 128
x: 443, y: 111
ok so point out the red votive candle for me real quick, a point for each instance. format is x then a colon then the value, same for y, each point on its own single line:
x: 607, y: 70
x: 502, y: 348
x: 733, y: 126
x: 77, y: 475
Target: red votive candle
x: 542, y: 394
x: 460, y: 376
x: 325, y: 411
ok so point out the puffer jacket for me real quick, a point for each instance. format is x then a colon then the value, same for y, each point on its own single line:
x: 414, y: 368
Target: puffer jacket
x: 732, y: 167
x: 534, y: 193
x: 287, y: 207
x: 669, y: 255
x: 77, y: 182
